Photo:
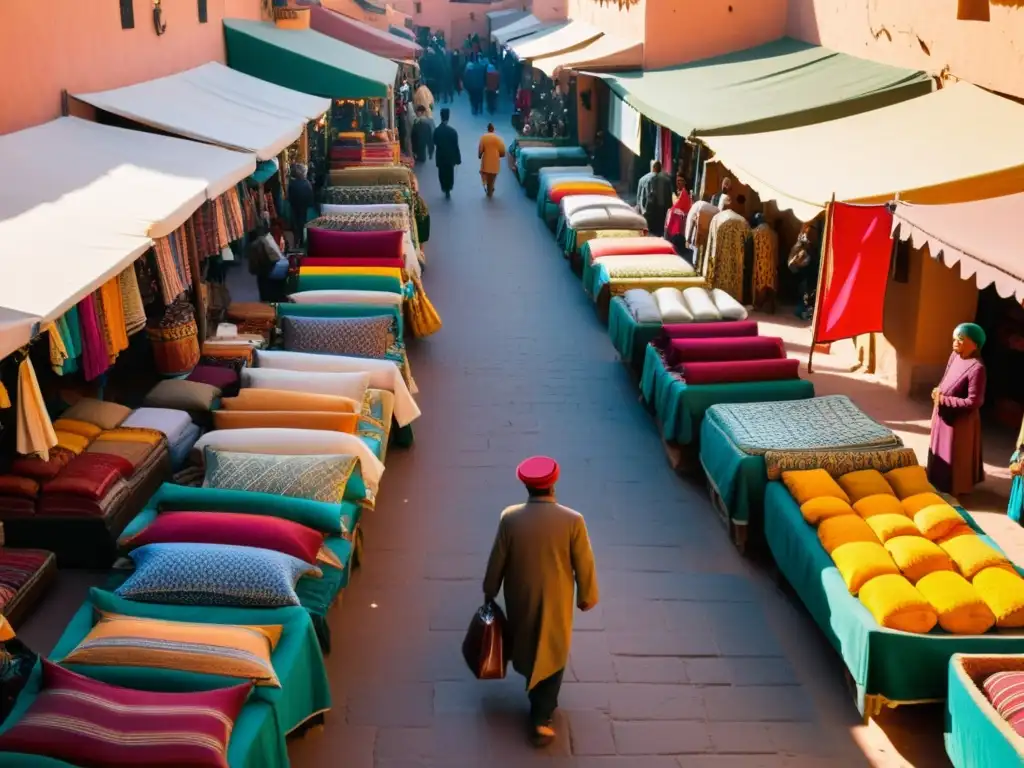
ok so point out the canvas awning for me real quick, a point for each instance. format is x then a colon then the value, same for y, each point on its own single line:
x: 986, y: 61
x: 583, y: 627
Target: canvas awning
x: 353, y: 32
x: 497, y: 19
x: 958, y: 144
x: 524, y: 26
x: 779, y: 85
x: 400, y: 32
x: 218, y: 105
x: 980, y: 236
x: 567, y: 37
x: 605, y: 53
x: 307, y: 61
x: 89, y: 200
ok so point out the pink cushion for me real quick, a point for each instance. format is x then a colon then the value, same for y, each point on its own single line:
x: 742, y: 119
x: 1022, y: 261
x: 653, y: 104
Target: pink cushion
x: 95, y: 725
x: 1006, y: 692
x: 366, y: 245
x: 224, y: 379
x: 629, y: 246
x: 717, y: 350
x: 734, y: 371
x: 261, y: 531
x: 730, y: 328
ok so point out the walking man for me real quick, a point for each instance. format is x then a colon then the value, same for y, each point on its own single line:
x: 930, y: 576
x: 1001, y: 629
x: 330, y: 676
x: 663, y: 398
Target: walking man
x: 446, y: 153
x: 654, y: 198
x: 541, y: 557
x: 490, y: 151
x: 422, y: 136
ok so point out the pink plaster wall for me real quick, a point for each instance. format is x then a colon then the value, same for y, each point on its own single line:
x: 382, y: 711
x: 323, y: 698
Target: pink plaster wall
x: 455, y: 19
x: 78, y: 45
x: 629, y: 22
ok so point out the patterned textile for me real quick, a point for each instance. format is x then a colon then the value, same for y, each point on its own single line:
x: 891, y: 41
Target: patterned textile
x: 214, y: 574
x: 16, y: 663
x: 356, y: 336
x: 90, y: 475
x: 369, y: 195
x: 19, y: 570
x: 131, y: 300
x: 819, y: 423
x: 204, y: 222
x: 362, y: 221
x: 234, y: 363
x: 838, y: 462
x: 88, y: 723
x: 320, y: 478
x: 766, y: 258
x: 656, y: 265
x: 723, y: 267
x: 175, y: 339
x: 210, y: 649
x: 1005, y: 690
x: 146, y: 272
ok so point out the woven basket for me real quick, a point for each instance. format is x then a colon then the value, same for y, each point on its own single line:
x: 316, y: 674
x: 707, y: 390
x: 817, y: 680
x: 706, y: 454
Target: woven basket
x: 175, y: 347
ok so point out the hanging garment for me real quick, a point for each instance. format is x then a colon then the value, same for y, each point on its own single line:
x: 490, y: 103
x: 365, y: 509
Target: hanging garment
x: 5, y: 398
x: 726, y: 248
x: 115, y: 331
x: 167, y: 273
x: 766, y: 261
x: 94, y: 348
x: 58, y: 351
x: 35, y: 431
x: 71, y: 333
x: 698, y: 224
x: 131, y: 302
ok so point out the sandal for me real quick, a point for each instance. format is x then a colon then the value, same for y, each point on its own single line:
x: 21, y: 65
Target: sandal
x: 543, y: 735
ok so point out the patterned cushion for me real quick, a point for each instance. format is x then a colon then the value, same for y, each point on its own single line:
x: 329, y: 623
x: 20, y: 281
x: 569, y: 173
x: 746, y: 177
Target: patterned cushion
x: 242, y: 530
x: 103, y: 414
x: 320, y: 478
x: 360, y: 336
x: 214, y: 574
x: 1006, y: 692
x: 212, y: 649
x: 91, y: 724
x: 838, y: 462
x: 19, y: 570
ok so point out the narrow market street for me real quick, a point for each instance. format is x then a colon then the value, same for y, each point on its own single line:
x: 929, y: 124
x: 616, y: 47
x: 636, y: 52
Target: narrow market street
x: 693, y: 657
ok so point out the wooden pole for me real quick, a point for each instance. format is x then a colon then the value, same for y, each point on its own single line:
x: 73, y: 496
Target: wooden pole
x: 826, y: 263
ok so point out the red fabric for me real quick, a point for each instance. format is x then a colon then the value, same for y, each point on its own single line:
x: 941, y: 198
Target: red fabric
x: 16, y: 506
x: 523, y: 99
x: 16, y: 485
x: 150, y: 724
x: 1005, y: 690
x: 851, y: 301
x: 538, y: 472
x: 365, y: 245
x: 71, y: 505
x: 569, y: 189
x: 676, y: 221
x: 629, y: 246
x: 351, y: 262
x: 719, y: 350
x: 725, y: 329
x: 224, y: 379
x: 735, y: 371
x: 241, y: 530
x: 37, y: 469
x: 90, y: 475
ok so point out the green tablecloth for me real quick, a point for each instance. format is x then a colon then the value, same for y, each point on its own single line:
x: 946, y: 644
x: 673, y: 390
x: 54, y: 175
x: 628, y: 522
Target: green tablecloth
x: 629, y: 337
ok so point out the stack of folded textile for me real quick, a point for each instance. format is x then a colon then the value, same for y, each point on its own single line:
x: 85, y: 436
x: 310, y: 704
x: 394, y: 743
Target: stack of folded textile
x: 92, y: 484
x: 175, y: 425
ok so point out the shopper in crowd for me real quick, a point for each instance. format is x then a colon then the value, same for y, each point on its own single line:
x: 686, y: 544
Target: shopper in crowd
x: 446, y: 153
x: 490, y: 151
x: 725, y: 191
x: 675, y: 222
x: 267, y: 264
x: 424, y: 98
x: 422, y: 136
x: 954, y: 456
x: 726, y: 248
x: 300, y: 200
x: 540, y: 558
x: 16, y: 663
x: 654, y: 198
x: 475, y: 78
x: 493, y: 86
x: 1015, y: 509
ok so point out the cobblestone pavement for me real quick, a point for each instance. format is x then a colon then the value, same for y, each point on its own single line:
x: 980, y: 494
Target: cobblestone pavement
x: 693, y: 658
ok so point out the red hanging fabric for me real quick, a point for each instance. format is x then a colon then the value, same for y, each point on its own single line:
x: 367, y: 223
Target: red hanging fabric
x: 859, y: 251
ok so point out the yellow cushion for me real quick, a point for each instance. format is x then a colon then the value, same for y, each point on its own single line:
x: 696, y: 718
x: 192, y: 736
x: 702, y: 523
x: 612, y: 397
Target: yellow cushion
x: 914, y: 504
x: 936, y: 520
x: 72, y: 442
x: 807, y: 484
x: 879, y: 504
x: 1003, y: 592
x: 76, y: 427
x: 863, y: 483
x: 961, y: 609
x: 909, y: 481
x: 895, y: 604
x: 888, y: 527
x: 917, y: 557
x: 962, y: 529
x: 279, y: 400
x: 842, y: 529
x: 323, y: 420
x: 971, y: 555
x: 824, y: 507
x: 860, y: 561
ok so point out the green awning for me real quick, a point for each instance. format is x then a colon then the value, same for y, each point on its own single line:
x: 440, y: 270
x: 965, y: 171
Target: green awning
x: 783, y: 84
x: 307, y: 61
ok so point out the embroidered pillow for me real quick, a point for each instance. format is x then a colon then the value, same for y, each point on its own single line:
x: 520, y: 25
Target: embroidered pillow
x: 140, y: 728
x: 210, y: 649
x: 316, y: 477
x: 359, y: 336
x: 214, y: 574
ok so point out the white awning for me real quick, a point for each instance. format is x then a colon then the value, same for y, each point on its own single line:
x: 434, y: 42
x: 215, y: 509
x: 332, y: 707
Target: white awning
x: 606, y: 52
x: 524, y: 26
x: 568, y: 37
x: 89, y: 200
x: 218, y: 105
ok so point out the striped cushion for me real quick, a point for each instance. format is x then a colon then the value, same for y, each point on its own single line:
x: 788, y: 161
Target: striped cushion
x: 1006, y: 692
x: 213, y: 649
x: 91, y: 724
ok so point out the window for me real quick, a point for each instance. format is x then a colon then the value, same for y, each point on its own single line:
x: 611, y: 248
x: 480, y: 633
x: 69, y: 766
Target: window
x: 127, y: 15
x: 202, y: 12
x: 418, y: 6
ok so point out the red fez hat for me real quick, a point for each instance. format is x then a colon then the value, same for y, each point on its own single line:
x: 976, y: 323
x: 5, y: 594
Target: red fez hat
x: 538, y: 472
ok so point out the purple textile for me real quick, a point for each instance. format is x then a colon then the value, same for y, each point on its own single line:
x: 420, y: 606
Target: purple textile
x: 718, y: 350
x: 721, y: 330
x: 954, y: 456
x: 736, y: 371
x: 224, y: 379
x: 95, y: 360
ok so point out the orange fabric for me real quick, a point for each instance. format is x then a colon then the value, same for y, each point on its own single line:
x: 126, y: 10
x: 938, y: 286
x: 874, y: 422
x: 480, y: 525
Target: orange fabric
x: 579, y: 188
x: 280, y: 400
x: 332, y: 422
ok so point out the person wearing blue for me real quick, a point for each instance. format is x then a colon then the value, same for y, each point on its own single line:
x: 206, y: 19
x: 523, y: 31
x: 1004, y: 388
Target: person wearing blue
x: 476, y: 79
x: 1015, y: 509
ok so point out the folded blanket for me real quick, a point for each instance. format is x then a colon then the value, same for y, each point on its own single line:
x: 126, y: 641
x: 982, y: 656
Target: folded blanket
x: 170, y: 422
x: 347, y: 297
x: 896, y: 604
x: 721, y: 330
x: 354, y: 261
x: 627, y: 246
x: 373, y: 245
x: 64, y: 505
x: 71, y: 442
x: 77, y: 427
x: 131, y: 451
x: 90, y: 475
x: 12, y: 507
x: 283, y: 400
x: 132, y: 435
x: 332, y: 421
x: 562, y: 191
x: 735, y: 371
x: 224, y: 379
x: 720, y: 350
x: 21, y: 487
x: 37, y: 469
x: 959, y: 605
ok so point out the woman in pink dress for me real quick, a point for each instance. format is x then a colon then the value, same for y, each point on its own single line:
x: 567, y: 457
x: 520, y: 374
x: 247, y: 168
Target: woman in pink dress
x: 954, y: 456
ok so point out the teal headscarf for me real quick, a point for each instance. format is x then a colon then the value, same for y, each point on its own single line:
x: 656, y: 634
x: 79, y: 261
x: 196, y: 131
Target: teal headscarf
x: 971, y: 331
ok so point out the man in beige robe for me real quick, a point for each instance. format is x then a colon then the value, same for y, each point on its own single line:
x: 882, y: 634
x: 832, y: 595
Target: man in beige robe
x: 542, y: 556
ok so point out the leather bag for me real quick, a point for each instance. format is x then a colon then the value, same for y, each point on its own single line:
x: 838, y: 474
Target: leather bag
x: 484, y: 646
